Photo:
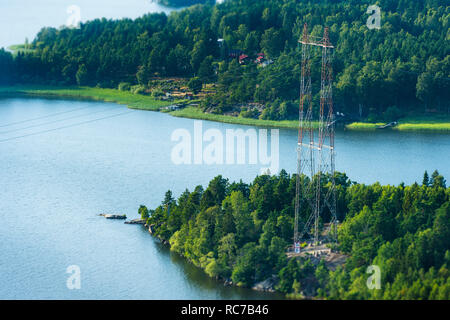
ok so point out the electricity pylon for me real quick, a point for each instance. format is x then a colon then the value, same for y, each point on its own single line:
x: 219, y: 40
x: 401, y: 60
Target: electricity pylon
x: 315, y: 146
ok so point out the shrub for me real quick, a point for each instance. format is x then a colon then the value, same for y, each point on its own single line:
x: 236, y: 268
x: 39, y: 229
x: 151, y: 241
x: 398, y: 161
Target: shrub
x: 253, y: 113
x: 156, y: 93
x: 195, y: 84
x: 138, y: 89
x: 124, y: 86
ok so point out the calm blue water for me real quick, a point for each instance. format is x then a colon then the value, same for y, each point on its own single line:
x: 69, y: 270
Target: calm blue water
x: 55, y: 183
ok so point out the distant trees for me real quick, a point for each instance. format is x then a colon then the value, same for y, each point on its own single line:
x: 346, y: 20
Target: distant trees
x: 206, y: 70
x: 143, y: 212
x: 82, y: 75
x: 143, y: 75
x: 272, y: 42
x: 426, y: 179
x: 405, y: 64
x: 195, y: 84
x: 6, y: 67
x: 241, y: 231
x: 433, y: 82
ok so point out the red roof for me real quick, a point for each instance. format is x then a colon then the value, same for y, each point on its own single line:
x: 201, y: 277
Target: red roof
x: 243, y: 56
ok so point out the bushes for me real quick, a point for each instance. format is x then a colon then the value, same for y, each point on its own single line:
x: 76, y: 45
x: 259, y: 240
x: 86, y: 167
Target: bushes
x: 157, y: 93
x: 82, y: 75
x: 138, y: 89
x: 124, y: 86
x: 195, y: 84
x: 252, y: 113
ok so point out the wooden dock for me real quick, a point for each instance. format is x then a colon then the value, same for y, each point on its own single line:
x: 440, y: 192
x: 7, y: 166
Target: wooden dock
x: 388, y: 125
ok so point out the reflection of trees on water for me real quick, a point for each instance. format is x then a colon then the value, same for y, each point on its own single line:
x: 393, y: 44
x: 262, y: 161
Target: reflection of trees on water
x: 199, y: 279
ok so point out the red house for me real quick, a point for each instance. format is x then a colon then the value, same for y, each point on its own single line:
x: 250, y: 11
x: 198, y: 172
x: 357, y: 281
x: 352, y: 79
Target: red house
x: 260, y: 58
x: 243, y: 58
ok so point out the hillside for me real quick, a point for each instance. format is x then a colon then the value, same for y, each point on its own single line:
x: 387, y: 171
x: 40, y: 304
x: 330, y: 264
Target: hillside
x: 249, y: 50
x: 239, y: 233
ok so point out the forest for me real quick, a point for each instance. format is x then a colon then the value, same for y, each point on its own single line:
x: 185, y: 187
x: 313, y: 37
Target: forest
x: 240, y: 232
x: 249, y: 50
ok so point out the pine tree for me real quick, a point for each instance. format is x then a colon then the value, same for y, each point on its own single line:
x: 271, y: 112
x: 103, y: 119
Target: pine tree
x: 426, y: 179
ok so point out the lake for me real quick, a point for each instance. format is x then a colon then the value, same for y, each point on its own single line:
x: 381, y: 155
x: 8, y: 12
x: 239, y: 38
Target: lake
x: 63, y: 162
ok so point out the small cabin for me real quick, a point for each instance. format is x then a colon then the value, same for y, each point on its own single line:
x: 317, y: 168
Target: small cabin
x: 243, y: 58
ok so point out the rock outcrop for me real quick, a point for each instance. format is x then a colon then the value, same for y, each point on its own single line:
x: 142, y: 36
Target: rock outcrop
x: 267, y: 285
x: 114, y: 216
x: 136, y: 221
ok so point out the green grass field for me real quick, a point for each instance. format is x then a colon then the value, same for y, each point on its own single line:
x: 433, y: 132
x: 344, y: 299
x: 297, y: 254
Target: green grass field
x: 425, y: 123
x: 195, y: 113
x: 142, y: 102
x: 133, y: 101
x: 363, y: 126
x: 410, y: 123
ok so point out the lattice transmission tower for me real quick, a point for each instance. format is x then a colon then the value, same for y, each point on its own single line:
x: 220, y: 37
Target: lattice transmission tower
x: 315, y: 147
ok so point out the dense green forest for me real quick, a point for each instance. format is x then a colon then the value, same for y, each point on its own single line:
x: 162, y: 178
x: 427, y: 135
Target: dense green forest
x: 384, y: 73
x: 240, y: 231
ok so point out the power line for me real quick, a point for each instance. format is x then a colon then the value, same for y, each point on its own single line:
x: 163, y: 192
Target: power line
x: 43, y: 117
x: 56, y: 121
x: 65, y: 127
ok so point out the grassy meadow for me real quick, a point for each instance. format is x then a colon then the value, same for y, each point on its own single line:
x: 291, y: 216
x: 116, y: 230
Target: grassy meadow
x: 133, y: 101
x: 144, y: 102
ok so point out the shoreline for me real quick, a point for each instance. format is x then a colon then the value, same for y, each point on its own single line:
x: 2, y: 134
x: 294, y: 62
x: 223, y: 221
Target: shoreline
x: 147, y: 103
x: 224, y: 282
x: 132, y: 101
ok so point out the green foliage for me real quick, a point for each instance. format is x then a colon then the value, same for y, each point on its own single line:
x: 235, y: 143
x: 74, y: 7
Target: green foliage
x: 206, y: 70
x: 143, y: 212
x: 195, y: 84
x: 156, y: 93
x: 124, y: 86
x: 137, y: 89
x: 241, y: 231
x: 6, y: 67
x: 82, y: 75
x: 426, y: 179
x: 403, y: 64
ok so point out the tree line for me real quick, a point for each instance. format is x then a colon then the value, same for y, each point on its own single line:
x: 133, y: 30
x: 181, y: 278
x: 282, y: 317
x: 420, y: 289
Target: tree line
x: 380, y: 74
x: 241, y: 232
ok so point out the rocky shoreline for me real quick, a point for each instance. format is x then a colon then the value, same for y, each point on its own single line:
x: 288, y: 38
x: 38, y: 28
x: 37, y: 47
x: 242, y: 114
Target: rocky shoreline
x: 136, y: 221
x: 267, y: 285
x: 113, y: 216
